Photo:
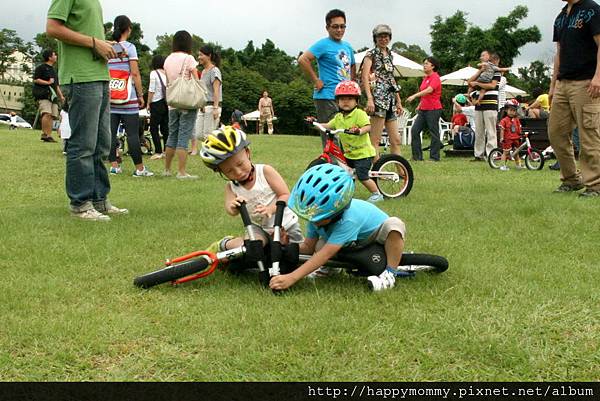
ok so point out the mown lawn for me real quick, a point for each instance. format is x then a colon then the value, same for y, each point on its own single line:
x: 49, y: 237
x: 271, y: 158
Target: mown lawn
x: 520, y: 300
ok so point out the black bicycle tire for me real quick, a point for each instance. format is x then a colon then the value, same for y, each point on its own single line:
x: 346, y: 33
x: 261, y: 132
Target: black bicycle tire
x: 171, y: 273
x: 383, y: 159
x: 439, y: 263
x: 491, y: 159
x: 542, y: 159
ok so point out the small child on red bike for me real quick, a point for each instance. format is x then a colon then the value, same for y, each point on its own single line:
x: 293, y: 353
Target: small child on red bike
x: 259, y: 185
x: 357, y: 147
x: 323, y: 196
x: 510, y: 133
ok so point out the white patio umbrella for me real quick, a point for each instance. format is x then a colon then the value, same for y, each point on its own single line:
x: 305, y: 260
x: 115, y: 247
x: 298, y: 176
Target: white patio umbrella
x: 512, y: 92
x: 403, y: 67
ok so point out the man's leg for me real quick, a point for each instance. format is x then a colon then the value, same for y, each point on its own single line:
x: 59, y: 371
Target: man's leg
x: 87, y: 113
x: 560, y: 128
x: 489, y: 117
x: 587, y: 114
x: 326, y: 110
x: 479, y: 148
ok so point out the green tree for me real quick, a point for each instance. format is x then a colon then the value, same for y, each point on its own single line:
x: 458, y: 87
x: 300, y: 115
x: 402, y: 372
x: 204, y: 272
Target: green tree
x: 537, y: 75
x: 43, y: 41
x: 456, y: 43
x: 412, y: 52
x: 10, y: 42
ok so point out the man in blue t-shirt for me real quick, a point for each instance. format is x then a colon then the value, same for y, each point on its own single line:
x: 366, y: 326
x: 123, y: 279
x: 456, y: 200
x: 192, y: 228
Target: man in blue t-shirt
x: 335, y: 61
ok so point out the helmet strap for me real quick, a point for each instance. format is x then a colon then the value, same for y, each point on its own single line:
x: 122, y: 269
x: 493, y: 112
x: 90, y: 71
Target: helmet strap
x: 250, y: 177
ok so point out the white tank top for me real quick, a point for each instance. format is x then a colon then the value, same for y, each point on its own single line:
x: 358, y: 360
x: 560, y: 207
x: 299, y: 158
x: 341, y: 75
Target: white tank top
x: 262, y: 194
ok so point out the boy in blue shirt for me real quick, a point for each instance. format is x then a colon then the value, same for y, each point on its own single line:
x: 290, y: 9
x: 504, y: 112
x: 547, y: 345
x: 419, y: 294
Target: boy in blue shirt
x: 323, y: 196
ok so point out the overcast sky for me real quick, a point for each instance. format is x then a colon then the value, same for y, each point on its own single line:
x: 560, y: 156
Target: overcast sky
x: 294, y: 25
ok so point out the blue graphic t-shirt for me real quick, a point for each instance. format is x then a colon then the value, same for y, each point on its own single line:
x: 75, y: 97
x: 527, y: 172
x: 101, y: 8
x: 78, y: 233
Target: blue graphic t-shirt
x: 334, y: 60
x: 358, y: 222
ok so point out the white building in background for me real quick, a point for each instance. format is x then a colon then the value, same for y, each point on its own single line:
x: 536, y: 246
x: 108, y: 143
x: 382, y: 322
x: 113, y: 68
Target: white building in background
x: 10, y: 94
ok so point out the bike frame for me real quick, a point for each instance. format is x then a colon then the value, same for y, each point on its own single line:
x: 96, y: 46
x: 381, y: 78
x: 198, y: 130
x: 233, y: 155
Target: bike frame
x: 333, y: 154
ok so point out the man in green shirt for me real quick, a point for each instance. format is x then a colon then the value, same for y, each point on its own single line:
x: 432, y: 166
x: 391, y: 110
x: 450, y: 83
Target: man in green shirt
x: 83, y: 72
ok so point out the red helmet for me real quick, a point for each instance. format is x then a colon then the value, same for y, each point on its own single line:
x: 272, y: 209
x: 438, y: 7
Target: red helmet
x: 347, y: 88
x: 512, y: 103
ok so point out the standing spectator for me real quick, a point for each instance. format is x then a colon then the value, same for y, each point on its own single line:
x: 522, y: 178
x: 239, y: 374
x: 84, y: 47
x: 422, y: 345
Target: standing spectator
x: 575, y: 94
x: 13, y: 121
x: 47, y: 92
x: 127, y: 113
x: 157, y: 106
x: 237, y: 119
x: 181, y: 122
x: 78, y: 25
x: 335, y: 61
x: 209, y: 116
x: 64, y: 129
x: 265, y: 108
x: 429, y: 111
x: 383, y: 94
x: 486, y: 116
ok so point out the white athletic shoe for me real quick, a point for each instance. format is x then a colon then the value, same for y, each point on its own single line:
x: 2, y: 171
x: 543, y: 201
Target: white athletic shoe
x: 384, y: 281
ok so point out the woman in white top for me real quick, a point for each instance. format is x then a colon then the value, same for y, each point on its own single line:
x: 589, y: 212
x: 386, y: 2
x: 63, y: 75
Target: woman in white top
x: 209, y: 116
x: 157, y: 106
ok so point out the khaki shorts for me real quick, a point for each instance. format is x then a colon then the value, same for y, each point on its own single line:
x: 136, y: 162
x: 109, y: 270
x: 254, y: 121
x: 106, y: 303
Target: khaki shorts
x: 391, y: 224
x: 47, y: 107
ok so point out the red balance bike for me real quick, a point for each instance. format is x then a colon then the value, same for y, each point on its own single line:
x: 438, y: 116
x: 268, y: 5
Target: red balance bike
x: 392, y: 173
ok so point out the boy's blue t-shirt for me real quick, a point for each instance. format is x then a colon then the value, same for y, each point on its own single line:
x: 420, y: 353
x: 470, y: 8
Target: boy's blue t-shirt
x: 334, y: 60
x: 357, y: 223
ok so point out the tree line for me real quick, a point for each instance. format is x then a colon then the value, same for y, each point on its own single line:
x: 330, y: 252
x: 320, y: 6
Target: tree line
x: 247, y: 72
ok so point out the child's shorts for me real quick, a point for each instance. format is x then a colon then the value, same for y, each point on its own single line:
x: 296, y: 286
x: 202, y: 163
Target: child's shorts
x: 362, y: 167
x: 389, y: 225
x: 508, y: 144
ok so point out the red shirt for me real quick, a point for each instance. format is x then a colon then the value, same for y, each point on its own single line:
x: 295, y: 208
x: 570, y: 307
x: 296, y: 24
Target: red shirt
x: 511, y: 127
x: 459, y: 119
x: 432, y: 100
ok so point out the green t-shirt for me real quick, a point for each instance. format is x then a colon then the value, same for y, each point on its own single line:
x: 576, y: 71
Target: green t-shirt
x: 355, y: 146
x: 76, y: 64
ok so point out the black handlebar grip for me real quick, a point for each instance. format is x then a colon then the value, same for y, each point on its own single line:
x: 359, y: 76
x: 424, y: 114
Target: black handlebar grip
x: 279, y: 213
x: 244, y: 214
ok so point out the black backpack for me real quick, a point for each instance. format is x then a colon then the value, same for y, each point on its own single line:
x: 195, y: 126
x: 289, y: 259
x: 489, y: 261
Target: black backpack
x: 464, y: 139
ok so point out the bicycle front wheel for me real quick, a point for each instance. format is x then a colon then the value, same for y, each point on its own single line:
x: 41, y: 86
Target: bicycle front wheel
x: 393, y: 176
x: 171, y: 273
x: 495, y: 158
x: 316, y: 162
x: 423, y: 262
x: 534, y: 160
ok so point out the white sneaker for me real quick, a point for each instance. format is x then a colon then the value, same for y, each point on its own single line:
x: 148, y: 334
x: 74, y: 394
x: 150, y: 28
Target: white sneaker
x: 143, y: 173
x: 156, y: 156
x: 374, y: 198
x: 167, y: 173
x: 504, y: 168
x: 91, y: 214
x: 384, y: 281
x: 115, y: 170
x: 116, y: 210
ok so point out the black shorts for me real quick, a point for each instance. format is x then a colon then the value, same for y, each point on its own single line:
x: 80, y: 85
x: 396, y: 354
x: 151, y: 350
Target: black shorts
x: 362, y: 167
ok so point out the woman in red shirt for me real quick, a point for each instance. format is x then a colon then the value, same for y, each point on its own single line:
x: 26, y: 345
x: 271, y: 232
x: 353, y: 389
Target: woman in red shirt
x: 429, y: 111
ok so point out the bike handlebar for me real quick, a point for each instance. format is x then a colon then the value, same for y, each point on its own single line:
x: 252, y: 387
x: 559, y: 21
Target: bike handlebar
x: 279, y: 213
x: 330, y: 131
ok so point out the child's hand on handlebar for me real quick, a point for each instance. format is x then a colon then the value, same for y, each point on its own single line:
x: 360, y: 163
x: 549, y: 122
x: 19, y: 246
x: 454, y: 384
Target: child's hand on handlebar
x: 282, y: 282
x: 310, y: 119
x: 234, y: 205
x: 354, y: 130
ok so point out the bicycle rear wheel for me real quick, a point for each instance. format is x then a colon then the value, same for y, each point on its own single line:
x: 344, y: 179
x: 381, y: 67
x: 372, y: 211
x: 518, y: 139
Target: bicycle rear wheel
x: 534, y: 160
x: 171, y: 273
x: 495, y: 158
x: 423, y: 262
x: 393, y: 176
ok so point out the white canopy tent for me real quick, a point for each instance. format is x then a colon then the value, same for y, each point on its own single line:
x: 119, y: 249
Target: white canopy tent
x: 254, y: 116
x: 403, y: 67
x: 460, y: 77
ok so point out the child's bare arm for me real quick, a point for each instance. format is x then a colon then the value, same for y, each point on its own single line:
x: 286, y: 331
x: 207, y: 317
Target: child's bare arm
x: 232, y: 202
x: 285, y: 281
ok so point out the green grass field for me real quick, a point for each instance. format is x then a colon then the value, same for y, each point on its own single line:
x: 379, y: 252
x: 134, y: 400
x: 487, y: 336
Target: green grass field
x: 520, y: 300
